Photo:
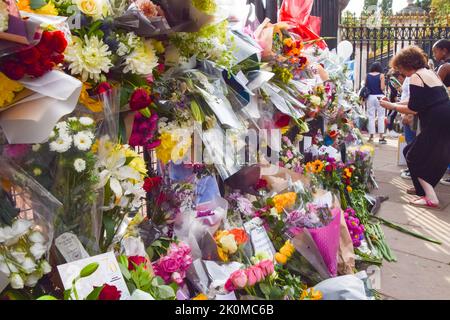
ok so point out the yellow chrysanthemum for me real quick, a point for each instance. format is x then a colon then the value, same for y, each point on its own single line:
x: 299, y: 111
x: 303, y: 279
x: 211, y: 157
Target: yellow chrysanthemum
x: 8, y: 88
x: 284, y: 201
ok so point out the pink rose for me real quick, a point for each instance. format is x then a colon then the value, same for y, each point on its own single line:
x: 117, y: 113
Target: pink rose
x: 168, y: 264
x: 267, y: 267
x: 239, y: 279
x: 229, y: 286
x: 257, y: 272
x: 251, y: 277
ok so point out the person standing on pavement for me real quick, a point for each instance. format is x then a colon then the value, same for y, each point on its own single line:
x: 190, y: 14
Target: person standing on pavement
x: 441, y: 52
x: 375, y: 82
x: 429, y: 154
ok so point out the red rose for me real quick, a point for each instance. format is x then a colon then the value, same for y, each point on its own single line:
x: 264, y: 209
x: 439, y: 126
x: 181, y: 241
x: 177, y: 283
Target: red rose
x: 136, y: 261
x: 13, y: 70
x: 58, y: 58
x: 109, y: 293
x: 30, y: 56
x: 282, y: 120
x: 262, y: 184
x: 151, y: 183
x: 58, y: 41
x: 36, y: 70
x: 140, y: 99
x: 47, y: 64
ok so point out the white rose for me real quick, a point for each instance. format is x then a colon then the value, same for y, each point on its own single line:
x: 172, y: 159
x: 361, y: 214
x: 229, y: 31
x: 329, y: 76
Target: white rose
x: 4, y: 269
x: 141, y: 295
x: 32, y: 279
x: 16, y: 281
x: 28, y: 265
x: 21, y: 227
x: 36, y: 237
x: 19, y: 255
x: 38, y: 250
x: 45, y: 267
x: 228, y: 243
x: 5, y: 234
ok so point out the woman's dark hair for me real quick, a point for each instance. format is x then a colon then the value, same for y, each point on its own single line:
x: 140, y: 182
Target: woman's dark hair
x: 443, y: 44
x: 410, y: 58
x: 376, y: 67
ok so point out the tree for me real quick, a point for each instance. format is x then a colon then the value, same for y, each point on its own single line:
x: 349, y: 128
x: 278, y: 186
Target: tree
x: 424, y: 4
x: 368, y: 4
x: 386, y: 7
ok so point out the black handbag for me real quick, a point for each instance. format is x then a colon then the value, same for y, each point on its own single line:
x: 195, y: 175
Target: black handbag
x: 364, y: 93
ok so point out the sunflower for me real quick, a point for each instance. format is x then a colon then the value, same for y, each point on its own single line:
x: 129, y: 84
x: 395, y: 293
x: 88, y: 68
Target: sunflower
x: 315, y: 167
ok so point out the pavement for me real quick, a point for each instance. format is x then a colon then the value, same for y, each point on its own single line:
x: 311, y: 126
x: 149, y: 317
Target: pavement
x: 422, y: 270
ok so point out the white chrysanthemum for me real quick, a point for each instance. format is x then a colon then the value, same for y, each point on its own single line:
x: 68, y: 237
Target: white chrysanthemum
x: 79, y: 165
x: 142, y: 60
x: 61, y: 144
x: 63, y: 128
x: 122, y: 49
x: 82, y: 140
x: 88, y: 58
x: 86, y: 121
x: 4, y: 18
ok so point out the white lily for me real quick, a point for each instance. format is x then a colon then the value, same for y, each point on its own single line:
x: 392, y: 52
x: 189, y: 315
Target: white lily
x: 113, y: 169
x: 136, y: 192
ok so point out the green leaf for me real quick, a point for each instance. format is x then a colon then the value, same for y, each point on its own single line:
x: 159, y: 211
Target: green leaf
x: 89, y: 269
x: 47, y: 298
x: 67, y: 294
x: 196, y: 112
x: 150, y: 253
x: 37, y: 4
x: 157, y: 281
x: 125, y: 272
x: 166, y: 292
x: 265, y: 289
x: 95, y: 293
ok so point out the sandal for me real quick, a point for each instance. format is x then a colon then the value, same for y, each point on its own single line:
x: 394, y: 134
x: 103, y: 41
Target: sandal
x: 411, y: 191
x: 427, y: 205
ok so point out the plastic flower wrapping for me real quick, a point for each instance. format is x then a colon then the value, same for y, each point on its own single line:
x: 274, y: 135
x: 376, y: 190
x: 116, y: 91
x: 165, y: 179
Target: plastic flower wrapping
x: 208, y: 156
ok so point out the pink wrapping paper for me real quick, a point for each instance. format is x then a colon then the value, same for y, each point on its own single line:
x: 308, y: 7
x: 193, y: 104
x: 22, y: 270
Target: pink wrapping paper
x: 327, y: 240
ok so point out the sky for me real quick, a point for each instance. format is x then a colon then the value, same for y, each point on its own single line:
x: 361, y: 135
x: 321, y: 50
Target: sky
x: 357, y: 5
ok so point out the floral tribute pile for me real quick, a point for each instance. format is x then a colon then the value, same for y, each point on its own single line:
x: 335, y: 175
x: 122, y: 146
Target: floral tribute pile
x: 214, y: 157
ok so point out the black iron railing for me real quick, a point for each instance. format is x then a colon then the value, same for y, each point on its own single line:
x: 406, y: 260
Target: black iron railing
x: 380, y: 40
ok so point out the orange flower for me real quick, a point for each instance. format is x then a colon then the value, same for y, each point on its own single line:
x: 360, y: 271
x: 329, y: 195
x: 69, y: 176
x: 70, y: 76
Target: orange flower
x: 239, y: 235
x: 349, y: 189
x: 24, y: 5
x: 311, y: 294
x: 201, y: 296
x: 288, y: 42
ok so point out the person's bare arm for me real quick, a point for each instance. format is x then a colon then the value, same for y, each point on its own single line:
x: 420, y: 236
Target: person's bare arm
x: 383, y: 82
x: 444, y: 71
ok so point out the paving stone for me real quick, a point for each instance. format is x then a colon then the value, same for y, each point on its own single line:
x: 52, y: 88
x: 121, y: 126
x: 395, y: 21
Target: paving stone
x: 415, y: 278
